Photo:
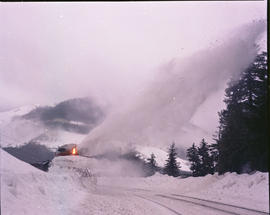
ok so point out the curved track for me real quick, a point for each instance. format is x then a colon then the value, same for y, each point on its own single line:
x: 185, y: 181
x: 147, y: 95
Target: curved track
x: 160, y: 204
x: 217, y: 206
x: 243, y: 210
x: 178, y: 204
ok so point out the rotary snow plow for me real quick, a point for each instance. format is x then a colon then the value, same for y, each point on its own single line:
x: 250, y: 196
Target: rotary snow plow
x: 68, y: 149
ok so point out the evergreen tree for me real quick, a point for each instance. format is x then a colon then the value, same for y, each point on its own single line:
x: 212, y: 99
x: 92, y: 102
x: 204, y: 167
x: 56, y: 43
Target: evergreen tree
x: 258, y: 149
x: 206, y: 161
x: 214, y: 155
x: 193, y: 157
x: 172, y: 167
x: 151, y: 165
x: 242, y: 140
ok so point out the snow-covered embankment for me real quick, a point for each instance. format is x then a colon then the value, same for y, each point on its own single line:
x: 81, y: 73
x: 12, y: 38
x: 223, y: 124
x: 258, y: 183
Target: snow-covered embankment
x: 27, y: 190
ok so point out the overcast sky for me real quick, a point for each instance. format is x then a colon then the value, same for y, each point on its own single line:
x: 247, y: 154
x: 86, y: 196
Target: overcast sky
x: 54, y: 51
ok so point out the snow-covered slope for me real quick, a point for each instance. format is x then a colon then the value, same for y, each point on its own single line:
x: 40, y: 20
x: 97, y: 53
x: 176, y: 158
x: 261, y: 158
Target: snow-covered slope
x: 145, y: 152
x: 6, y: 116
x: 27, y: 190
x: 55, y: 138
x: 16, y: 131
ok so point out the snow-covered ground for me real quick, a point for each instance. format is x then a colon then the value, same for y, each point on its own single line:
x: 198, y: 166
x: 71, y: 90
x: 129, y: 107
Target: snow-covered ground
x: 27, y: 190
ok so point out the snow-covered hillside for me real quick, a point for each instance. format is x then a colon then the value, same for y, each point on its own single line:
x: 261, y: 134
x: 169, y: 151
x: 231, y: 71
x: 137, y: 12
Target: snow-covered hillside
x: 7, y: 116
x: 16, y: 131
x: 55, y: 138
x: 66, y: 122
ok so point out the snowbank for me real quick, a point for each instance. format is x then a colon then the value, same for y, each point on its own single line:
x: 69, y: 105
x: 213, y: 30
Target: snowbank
x: 27, y: 190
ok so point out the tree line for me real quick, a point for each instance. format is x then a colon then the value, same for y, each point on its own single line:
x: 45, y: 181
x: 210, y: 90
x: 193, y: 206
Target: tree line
x: 241, y: 143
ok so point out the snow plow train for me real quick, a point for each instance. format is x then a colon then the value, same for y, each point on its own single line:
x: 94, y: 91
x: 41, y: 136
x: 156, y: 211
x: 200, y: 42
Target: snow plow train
x: 68, y: 149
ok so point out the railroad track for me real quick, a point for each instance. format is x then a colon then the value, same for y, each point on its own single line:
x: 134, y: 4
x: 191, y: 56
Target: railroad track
x: 160, y: 204
x: 218, y: 206
x: 214, y: 206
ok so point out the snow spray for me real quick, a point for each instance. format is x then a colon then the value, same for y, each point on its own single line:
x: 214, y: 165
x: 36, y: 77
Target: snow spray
x: 163, y: 112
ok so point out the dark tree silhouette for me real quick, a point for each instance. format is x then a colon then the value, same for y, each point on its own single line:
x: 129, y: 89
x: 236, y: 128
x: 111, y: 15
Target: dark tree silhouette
x: 206, y: 160
x: 242, y: 141
x: 193, y: 157
x: 151, y: 165
x: 172, y: 167
x: 202, y: 159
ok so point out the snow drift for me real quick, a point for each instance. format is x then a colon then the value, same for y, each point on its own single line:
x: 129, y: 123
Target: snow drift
x: 27, y: 190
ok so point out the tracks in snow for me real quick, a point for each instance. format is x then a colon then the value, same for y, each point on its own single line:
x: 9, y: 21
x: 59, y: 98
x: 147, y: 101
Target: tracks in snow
x: 183, y: 205
x: 222, y: 207
x: 224, y: 204
x: 160, y: 204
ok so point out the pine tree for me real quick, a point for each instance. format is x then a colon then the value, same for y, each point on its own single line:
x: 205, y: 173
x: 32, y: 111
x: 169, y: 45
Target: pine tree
x: 242, y: 140
x: 214, y: 155
x: 206, y: 161
x: 172, y: 167
x: 258, y: 149
x: 151, y: 165
x: 193, y: 157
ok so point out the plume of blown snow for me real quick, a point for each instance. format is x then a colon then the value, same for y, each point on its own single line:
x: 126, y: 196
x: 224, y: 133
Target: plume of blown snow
x: 162, y: 113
